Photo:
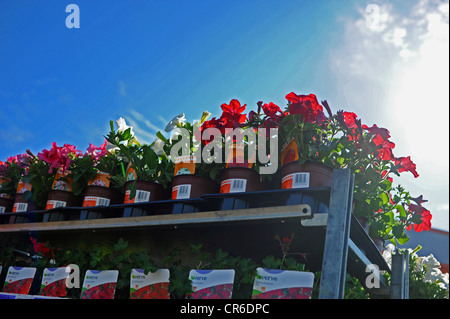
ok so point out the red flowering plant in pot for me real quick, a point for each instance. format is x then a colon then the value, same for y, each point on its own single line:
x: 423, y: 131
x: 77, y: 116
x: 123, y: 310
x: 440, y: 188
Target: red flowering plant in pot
x: 368, y: 152
x: 341, y: 141
x: 148, y: 168
x: 247, y: 163
x: 306, y: 140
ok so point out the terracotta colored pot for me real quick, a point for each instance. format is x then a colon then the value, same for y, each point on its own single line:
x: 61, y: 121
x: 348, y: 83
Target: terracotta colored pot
x: 60, y: 198
x: 145, y: 192
x: 192, y: 186
x: 240, y: 179
x: 101, y: 196
x: 6, y: 205
x: 307, y: 175
x: 21, y: 205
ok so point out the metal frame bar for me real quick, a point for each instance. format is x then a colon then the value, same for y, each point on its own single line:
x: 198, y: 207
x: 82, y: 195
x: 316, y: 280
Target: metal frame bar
x: 334, y: 265
x: 170, y: 220
x: 400, y: 276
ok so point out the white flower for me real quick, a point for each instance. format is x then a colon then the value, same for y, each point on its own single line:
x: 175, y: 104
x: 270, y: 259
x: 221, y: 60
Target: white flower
x: 158, y: 146
x: 122, y: 126
x: 177, y: 121
x: 387, y: 254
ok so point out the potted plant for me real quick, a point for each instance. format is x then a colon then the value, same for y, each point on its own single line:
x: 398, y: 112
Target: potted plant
x: 341, y: 141
x: 10, y: 174
x: 105, y: 180
x: 33, y: 186
x: 239, y: 136
x: 306, y: 143
x: 148, y: 172
x: 64, y: 190
x: 193, y: 176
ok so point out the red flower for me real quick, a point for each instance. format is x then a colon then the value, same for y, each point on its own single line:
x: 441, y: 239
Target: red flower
x: 307, y: 106
x: 349, y: 120
x: 425, y: 217
x: 404, y: 164
x: 380, y: 139
x: 212, y: 123
x: 232, y: 114
x: 41, y: 248
x: 271, y: 110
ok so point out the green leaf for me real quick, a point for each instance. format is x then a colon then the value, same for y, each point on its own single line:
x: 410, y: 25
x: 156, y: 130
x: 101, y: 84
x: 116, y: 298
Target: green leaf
x: 161, y: 137
x: 385, y: 198
x: 401, y: 211
x: 120, y: 245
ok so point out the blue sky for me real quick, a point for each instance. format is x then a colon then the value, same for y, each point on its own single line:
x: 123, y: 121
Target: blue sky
x: 151, y: 60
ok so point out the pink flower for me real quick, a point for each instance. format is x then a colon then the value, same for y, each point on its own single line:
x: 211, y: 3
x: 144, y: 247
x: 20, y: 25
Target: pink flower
x: 59, y: 157
x: 97, y: 152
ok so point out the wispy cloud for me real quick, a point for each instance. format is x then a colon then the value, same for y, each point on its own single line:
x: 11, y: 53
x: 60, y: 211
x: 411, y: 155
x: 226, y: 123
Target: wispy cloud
x: 144, y: 129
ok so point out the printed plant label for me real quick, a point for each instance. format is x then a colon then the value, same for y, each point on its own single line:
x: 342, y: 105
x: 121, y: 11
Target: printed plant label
x: 91, y: 201
x: 289, y: 152
x: 236, y: 157
x: 233, y: 185
x: 211, y: 284
x: 181, y: 191
x: 295, y: 180
x: 20, y: 207
x: 60, y: 182
x: 282, y: 284
x: 131, y: 173
x: 184, y: 165
x: 4, y: 180
x: 101, y: 179
x: 19, y: 279
x: 22, y: 187
x: 154, y: 285
x: 55, y: 204
x: 54, y: 282
x: 99, y: 284
x: 141, y: 196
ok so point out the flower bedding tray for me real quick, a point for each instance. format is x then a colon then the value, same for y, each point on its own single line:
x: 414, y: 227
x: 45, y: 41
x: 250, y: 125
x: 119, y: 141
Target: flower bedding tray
x: 316, y: 198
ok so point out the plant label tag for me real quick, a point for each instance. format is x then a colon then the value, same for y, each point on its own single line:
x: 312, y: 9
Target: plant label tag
x: 141, y: 196
x: 282, y: 284
x: 19, y: 279
x: 211, y: 284
x: 131, y: 174
x: 154, y: 285
x: 233, y: 185
x: 61, y: 182
x: 289, y: 152
x: 100, y: 179
x: 54, y: 282
x: 181, y: 191
x: 55, y: 204
x: 20, y: 207
x: 22, y: 187
x: 236, y: 157
x: 99, y: 284
x: 295, y: 180
x: 91, y: 201
x: 185, y: 165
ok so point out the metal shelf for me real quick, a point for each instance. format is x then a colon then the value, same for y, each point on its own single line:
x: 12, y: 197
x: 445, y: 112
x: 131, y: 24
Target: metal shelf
x: 242, y: 223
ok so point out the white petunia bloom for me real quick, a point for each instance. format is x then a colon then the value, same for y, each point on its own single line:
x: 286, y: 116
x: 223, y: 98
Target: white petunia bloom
x: 177, y: 121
